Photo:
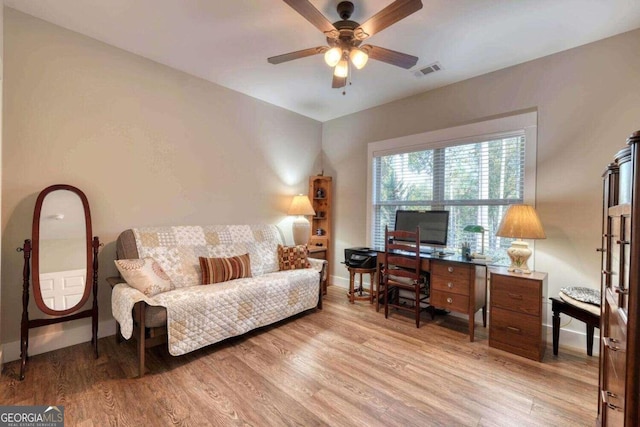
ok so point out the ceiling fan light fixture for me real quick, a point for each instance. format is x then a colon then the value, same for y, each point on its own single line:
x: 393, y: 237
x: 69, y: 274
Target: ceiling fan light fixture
x: 333, y: 56
x: 342, y: 69
x: 358, y: 58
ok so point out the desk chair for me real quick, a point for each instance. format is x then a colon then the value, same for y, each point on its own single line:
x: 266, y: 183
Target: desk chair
x: 402, y: 272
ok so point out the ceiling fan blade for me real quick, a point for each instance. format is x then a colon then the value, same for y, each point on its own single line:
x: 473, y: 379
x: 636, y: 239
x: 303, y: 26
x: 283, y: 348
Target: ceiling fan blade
x: 390, y: 56
x: 391, y: 14
x: 297, y: 54
x: 338, y: 82
x: 313, y: 15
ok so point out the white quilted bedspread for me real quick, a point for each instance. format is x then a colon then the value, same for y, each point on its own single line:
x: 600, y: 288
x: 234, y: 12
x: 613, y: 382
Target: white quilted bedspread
x: 205, y: 314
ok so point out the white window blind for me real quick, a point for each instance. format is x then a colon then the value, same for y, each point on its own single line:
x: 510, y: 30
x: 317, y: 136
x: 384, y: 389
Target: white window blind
x: 475, y: 182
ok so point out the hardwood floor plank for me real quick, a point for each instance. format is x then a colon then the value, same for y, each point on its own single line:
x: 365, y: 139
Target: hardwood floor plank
x: 343, y: 366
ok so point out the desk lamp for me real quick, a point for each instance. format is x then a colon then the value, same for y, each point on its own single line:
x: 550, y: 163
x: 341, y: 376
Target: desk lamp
x: 521, y: 222
x: 301, y: 206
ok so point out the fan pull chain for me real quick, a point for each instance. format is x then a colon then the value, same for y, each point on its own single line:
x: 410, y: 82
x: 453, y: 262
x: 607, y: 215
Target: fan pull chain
x: 344, y: 91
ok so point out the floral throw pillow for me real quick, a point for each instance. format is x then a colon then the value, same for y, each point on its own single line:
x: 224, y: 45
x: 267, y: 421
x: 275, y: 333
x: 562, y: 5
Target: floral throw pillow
x: 216, y: 270
x: 293, y: 257
x: 145, y: 275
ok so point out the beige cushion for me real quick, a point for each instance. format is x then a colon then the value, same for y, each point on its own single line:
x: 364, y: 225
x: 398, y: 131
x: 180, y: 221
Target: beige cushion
x: 594, y: 309
x: 145, y: 275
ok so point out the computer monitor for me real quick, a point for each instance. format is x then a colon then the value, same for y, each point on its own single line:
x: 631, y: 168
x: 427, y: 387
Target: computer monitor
x: 434, y: 225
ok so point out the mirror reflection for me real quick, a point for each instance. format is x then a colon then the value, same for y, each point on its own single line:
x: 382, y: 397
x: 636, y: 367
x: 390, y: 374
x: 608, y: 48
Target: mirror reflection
x: 63, y: 250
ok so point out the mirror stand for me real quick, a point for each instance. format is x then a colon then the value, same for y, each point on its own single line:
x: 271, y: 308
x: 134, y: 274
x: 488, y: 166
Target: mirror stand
x: 27, y: 323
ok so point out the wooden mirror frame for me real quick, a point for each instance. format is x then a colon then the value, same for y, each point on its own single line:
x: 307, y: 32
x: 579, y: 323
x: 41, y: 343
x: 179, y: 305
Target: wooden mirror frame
x: 35, y: 247
x: 92, y: 246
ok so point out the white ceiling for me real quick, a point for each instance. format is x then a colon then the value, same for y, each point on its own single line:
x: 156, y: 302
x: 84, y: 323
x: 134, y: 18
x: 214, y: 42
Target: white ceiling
x: 228, y: 41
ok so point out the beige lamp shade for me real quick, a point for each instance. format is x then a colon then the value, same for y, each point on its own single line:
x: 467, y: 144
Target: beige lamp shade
x: 521, y: 222
x: 301, y: 229
x: 300, y: 205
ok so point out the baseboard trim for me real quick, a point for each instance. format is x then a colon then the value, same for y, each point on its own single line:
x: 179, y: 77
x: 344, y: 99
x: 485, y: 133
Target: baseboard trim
x: 569, y: 339
x: 54, y: 340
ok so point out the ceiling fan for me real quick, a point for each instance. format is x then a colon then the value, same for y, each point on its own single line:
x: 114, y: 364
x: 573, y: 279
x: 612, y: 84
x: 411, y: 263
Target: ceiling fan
x: 344, y: 37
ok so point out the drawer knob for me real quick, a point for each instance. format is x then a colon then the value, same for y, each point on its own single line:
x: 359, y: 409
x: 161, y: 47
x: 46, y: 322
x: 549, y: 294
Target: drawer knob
x: 450, y: 300
x: 513, y: 329
x: 450, y: 269
x: 449, y: 285
x: 515, y: 296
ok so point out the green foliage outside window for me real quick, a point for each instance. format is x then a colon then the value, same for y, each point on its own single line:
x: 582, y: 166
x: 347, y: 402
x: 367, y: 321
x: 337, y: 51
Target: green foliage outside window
x: 475, y: 182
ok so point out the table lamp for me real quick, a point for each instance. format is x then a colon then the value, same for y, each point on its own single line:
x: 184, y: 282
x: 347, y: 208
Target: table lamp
x: 521, y: 222
x: 301, y: 206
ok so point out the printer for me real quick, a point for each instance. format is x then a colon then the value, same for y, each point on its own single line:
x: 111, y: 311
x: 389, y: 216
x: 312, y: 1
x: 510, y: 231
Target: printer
x: 360, y: 257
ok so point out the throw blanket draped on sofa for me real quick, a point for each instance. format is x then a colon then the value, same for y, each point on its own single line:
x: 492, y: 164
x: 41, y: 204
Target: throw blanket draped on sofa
x: 198, y: 315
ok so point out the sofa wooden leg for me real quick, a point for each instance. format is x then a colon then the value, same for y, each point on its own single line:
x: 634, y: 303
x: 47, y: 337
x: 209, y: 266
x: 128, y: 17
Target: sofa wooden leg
x: 119, y: 338
x: 320, y: 289
x: 141, y: 340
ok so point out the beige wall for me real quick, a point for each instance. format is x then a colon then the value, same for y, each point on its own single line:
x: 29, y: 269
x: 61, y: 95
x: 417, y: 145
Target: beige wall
x: 148, y: 145
x: 588, y: 102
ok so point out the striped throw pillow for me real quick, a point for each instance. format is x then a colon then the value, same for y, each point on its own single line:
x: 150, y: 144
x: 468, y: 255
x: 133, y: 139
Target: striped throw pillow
x: 293, y: 257
x: 216, y: 270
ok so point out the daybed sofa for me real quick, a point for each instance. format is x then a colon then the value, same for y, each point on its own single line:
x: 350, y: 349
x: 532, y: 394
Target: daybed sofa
x: 190, y: 315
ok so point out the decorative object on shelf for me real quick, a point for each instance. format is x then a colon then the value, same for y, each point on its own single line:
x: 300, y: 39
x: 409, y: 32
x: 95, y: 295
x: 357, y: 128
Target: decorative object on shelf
x: 477, y: 229
x: 301, y: 228
x: 319, y: 232
x: 521, y: 222
x: 320, y: 193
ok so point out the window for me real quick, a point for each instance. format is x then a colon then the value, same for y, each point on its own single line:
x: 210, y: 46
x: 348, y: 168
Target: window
x: 475, y: 178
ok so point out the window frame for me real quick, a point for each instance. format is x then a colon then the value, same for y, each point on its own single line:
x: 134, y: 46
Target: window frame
x: 475, y: 132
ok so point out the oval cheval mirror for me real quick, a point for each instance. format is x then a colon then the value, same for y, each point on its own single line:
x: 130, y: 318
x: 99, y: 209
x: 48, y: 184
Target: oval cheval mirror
x: 63, y: 257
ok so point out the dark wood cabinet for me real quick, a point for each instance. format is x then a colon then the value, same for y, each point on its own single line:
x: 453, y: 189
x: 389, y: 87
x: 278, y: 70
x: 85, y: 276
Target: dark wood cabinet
x: 619, y: 371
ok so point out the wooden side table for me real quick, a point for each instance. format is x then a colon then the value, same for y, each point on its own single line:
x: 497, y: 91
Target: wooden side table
x: 320, y: 252
x: 360, y: 293
x: 517, y: 315
x: 592, y: 321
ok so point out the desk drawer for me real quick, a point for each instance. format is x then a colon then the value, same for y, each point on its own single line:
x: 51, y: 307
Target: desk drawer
x: 452, y: 270
x: 517, y: 330
x: 450, y: 284
x: 449, y: 301
x: 516, y: 295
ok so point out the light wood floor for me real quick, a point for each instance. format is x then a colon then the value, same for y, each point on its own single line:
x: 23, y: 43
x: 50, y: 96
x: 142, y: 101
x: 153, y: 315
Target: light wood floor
x: 345, y: 365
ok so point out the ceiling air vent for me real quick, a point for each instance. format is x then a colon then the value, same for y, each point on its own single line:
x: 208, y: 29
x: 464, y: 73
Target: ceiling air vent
x: 432, y: 68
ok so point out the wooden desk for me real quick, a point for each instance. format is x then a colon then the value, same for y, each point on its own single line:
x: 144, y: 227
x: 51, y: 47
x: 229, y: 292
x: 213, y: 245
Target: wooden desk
x: 456, y: 285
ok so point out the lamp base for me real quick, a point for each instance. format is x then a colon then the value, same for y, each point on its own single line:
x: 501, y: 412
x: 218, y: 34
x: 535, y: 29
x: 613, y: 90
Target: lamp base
x: 301, y: 230
x: 519, y: 254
